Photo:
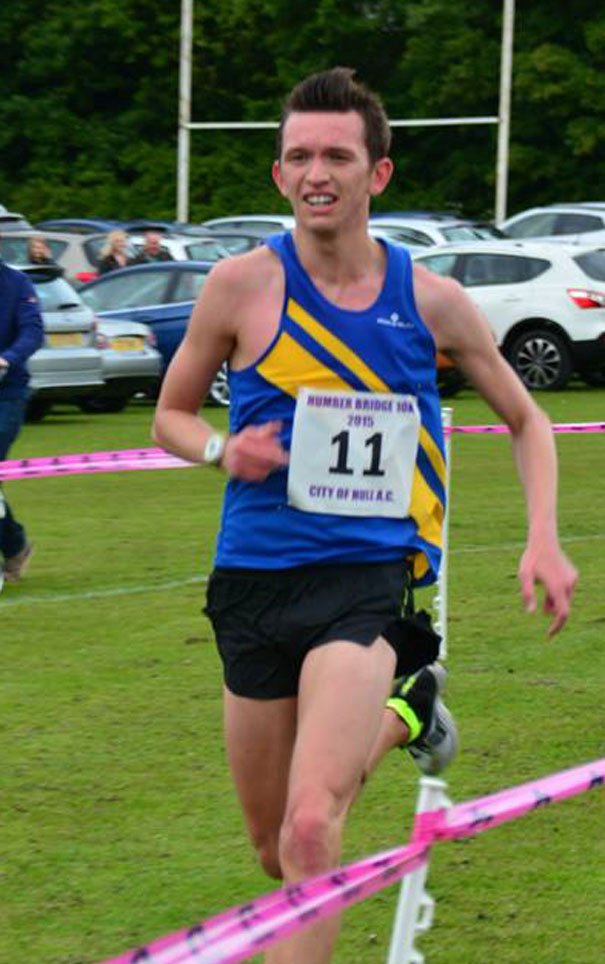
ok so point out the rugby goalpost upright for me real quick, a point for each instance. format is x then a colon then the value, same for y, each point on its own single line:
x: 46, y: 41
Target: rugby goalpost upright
x: 186, y: 125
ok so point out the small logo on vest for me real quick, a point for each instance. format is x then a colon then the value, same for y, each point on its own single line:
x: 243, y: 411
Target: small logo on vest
x: 394, y: 321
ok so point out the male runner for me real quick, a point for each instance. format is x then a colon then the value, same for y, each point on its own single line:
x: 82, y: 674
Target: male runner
x: 335, y: 496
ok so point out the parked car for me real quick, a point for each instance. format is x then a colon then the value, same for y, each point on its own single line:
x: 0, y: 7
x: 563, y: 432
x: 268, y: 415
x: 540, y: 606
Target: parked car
x: 238, y: 241
x: 130, y: 362
x: 419, y: 231
x: 69, y: 363
x: 11, y: 221
x: 263, y: 223
x: 162, y: 296
x: 183, y: 247
x: 79, y: 225
x: 77, y: 254
x: 545, y: 304
x: 260, y: 226
x: 574, y: 223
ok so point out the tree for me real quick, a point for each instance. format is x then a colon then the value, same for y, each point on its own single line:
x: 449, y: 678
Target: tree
x: 88, y: 106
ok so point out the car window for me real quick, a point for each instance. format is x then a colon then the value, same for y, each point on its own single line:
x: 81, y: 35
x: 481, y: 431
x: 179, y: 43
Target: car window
x: 406, y: 235
x: 442, y: 264
x: 498, y: 269
x: 236, y: 245
x: 593, y: 264
x: 140, y: 289
x: 533, y: 226
x: 56, y: 295
x: 14, y: 250
x: 460, y: 233
x: 92, y: 247
x: 206, y: 250
x: 188, y: 285
x: 487, y: 231
x: 577, y: 223
x: 469, y: 232
x: 56, y: 248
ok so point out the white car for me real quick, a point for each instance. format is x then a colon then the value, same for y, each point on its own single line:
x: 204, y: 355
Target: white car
x: 12, y: 221
x: 425, y: 231
x: 544, y: 302
x: 183, y: 247
x: 582, y: 223
x: 267, y: 223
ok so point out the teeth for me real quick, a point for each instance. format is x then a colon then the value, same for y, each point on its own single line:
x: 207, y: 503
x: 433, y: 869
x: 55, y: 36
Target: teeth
x: 320, y: 199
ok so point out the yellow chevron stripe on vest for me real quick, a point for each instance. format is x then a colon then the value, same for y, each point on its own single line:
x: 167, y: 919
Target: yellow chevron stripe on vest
x: 336, y: 347
x: 288, y: 366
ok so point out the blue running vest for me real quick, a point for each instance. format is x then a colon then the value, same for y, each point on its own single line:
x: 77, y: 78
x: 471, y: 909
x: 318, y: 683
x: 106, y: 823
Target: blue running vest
x: 384, y: 348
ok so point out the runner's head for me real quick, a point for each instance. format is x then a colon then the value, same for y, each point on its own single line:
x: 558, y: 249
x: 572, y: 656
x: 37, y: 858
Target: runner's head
x: 337, y: 91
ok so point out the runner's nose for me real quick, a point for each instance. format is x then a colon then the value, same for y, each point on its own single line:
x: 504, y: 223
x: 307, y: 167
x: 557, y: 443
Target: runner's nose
x: 317, y: 173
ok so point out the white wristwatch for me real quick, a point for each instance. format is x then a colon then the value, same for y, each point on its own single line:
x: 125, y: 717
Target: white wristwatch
x: 214, y: 449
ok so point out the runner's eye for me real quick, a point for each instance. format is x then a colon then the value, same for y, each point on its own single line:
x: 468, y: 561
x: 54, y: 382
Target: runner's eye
x: 296, y: 157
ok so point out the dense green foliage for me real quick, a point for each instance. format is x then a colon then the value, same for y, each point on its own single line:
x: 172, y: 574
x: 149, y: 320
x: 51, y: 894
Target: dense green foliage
x: 89, y: 98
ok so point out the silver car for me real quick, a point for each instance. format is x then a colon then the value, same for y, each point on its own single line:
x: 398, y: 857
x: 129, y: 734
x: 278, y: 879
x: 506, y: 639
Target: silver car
x: 77, y: 254
x: 131, y: 364
x: 69, y: 363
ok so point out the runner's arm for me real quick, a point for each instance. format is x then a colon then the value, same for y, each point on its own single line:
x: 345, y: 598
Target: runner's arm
x: 209, y: 341
x: 461, y: 330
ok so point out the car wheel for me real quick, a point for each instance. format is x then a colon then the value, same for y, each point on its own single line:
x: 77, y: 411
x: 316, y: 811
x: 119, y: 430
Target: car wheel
x: 219, y: 393
x: 99, y: 406
x: 36, y: 409
x: 541, y: 359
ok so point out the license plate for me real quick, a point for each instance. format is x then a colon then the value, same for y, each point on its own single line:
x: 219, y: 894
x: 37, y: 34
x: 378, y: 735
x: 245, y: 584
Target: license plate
x: 66, y: 339
x: 128, y: 343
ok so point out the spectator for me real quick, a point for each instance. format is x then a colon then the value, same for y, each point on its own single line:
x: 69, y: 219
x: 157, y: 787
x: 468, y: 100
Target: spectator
x: 21, y: 334
x: 114, y: 253
x: 38, y: 251
x: 152, y: 250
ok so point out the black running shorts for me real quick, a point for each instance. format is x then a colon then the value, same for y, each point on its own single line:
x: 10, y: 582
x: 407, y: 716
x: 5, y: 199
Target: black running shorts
x: 266, y: 621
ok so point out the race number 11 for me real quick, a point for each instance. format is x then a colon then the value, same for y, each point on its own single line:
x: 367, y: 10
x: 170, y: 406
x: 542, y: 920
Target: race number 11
x: 341, y: 441
x: 353, y: 453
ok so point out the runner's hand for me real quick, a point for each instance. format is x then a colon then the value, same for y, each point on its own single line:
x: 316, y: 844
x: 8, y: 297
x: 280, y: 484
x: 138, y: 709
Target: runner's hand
x: 548, y: 565
x: 255, y: 452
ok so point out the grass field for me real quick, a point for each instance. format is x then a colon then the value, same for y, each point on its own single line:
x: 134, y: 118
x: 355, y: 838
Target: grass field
x: 119, y: 820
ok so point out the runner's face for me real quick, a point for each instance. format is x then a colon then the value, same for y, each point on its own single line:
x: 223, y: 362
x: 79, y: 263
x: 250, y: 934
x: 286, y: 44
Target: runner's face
x: 325, y: 170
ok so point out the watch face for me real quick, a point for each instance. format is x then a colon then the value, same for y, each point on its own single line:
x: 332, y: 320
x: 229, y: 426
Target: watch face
x: 214, y: 448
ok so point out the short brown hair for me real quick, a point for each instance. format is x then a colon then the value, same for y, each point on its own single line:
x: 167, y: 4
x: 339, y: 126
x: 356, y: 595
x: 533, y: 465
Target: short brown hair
x: 337, y: 90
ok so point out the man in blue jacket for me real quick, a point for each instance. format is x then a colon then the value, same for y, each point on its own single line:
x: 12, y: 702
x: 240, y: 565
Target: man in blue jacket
x: 21, y: 334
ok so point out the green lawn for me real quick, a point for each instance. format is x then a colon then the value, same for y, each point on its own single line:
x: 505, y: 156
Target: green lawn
x: 119, y: 820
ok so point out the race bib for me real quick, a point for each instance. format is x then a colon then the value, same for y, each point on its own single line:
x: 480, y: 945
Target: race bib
x: 353, y: 453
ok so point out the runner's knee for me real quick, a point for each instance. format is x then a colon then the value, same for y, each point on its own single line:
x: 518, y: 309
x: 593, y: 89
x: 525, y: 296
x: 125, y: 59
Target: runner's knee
x: 309, y: 837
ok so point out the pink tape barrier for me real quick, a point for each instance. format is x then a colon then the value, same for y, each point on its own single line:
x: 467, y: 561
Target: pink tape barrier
x: 129, y: 459
x: 89, y: 462
x: 242, y: 931
x: 561, y: 428
x: 237, y: 933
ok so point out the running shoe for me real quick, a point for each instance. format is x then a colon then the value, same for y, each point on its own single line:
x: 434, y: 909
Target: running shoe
x: 433, y: 742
